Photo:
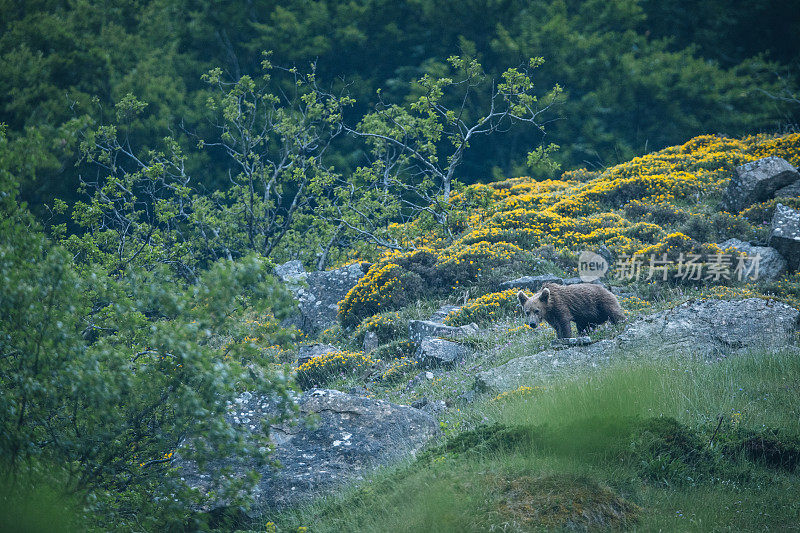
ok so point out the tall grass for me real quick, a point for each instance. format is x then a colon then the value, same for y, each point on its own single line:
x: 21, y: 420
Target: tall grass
x: 592, y: 453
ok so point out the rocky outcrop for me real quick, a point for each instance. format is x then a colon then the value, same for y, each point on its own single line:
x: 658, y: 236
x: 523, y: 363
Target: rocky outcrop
x: 532, y: 370
x: 784, y: 234
x: 758, y: 181
x: 311, y: 351
x: 771, y: 264
x: 422, y: 329
x: 531, y: 283
x: 700, y: 329
x: 318, y: 293
x: 292, y: 274
x: 435, y: 353
x: 347, y: 438
x: 790, y: 191
x: 706, y: 329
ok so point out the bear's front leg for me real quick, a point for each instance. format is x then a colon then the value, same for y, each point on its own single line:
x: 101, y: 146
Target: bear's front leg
x: 563, y: 329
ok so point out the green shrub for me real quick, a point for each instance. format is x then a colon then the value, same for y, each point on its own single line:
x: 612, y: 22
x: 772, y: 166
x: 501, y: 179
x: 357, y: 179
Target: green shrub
x: 387, y: 326
x: 394, y: 350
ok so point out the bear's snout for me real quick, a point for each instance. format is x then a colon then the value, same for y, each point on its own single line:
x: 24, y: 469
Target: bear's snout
x: 532, y: 325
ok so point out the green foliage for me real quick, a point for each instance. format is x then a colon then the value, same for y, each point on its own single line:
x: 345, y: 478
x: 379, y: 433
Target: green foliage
x: 634, y: 81
x: 387, y: 327
x: 104, y: 378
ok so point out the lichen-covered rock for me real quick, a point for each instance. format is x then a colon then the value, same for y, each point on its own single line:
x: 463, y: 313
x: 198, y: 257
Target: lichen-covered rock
x: 311, y: 351
x: 771, y: 264
x: 319, y: 302
x: 531, y: 283
x: 538, y: 368
x: 707, y: 329
x: 785, y: 235
x: 422, y: 329
x: 790, y: 191
x: 758, y: 181
x: 434, y: 353
x: 292, y: 273
x: 347, y: 437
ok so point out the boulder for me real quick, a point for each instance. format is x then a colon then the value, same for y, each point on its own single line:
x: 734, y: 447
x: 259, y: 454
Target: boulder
x: 311, y: 351
x: 758, y: 181
x: 422, y: 329
x: 708, y: 329
x: 534, y: 369
x: 370, y: 342
x: 771, y: 264
x: 347, y: 438
x: 531, y: 283
x: 435, y: 352
x: 292, y: 273
x: 442, y: 312
x: 790, y: 191
x: 785, y: 235
x: 319, y: 302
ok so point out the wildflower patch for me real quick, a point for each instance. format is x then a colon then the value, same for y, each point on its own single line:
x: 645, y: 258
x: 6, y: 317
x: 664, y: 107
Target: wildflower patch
x: 319, y: 371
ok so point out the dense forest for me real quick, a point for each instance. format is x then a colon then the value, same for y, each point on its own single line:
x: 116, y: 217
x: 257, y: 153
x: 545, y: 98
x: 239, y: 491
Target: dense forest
x: 158, y: 158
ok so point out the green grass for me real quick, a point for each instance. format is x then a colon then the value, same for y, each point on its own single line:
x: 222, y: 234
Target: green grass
x: 628, y: 447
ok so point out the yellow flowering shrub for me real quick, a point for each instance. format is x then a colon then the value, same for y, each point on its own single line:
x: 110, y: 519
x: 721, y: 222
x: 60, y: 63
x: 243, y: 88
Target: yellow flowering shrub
x: 399, y: 278
x: 663, y: 202
x: 318, y: 371
x: 488, y: 308
x: 386, y: 286
x: 387, y: 326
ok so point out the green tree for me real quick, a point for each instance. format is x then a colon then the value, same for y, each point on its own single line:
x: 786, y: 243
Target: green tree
x: 105, y: 378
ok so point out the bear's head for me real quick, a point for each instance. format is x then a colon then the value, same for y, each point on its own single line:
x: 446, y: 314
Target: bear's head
x: 535, y: 307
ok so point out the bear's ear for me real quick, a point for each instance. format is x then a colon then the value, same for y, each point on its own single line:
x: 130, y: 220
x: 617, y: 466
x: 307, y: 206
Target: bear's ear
x: 545, y: 295
x: 522, y: 297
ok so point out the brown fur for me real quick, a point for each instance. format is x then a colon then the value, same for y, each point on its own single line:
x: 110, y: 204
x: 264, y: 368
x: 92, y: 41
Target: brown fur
x: 586, y: 304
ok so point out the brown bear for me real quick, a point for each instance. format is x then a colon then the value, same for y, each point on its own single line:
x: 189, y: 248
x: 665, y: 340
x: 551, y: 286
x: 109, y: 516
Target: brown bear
x: 586, y: 304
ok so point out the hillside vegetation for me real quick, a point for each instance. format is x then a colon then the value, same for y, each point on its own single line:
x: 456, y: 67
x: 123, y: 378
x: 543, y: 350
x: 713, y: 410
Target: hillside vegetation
x: 275, y: 207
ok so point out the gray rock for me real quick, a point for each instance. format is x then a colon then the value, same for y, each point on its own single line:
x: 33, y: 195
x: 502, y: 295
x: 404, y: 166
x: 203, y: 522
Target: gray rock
x: 758, y: 181
x: 349, y: 437
x: 785, y: 235
x: 292, y: 272
x: 790, y: 191
x: 535, y: 369
x: 370, y: 341
x: 422, y: 329
x: 442, y: 313
x: 310, y: 351
x: 557, y: 344
x: 771, y: 264
x: 576, y: 281
x: 531, y: 283
x: 434, y: 353
x: 319, y: 302
x: 707, y: 329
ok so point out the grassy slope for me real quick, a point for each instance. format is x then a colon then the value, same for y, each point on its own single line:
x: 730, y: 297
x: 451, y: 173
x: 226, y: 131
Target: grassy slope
x: 580, y: 445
